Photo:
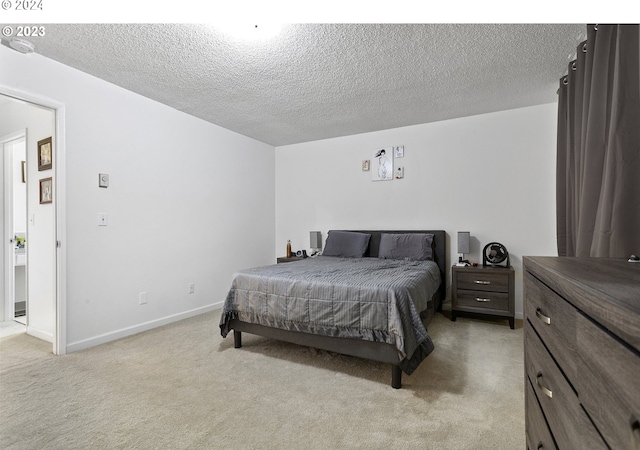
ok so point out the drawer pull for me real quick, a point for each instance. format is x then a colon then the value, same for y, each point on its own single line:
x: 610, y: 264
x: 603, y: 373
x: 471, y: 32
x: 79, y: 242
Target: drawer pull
x: 482, y: 282
x: 539, y: 446
x: 478, y: 299
x: 542, y: 317
x: 542, y: 387
x: 635, y: 432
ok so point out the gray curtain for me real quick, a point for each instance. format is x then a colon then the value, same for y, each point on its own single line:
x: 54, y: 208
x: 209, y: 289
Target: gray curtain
x: 598, y: 161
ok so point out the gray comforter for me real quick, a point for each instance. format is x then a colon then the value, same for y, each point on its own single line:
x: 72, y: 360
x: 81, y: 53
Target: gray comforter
x: 363, y: 298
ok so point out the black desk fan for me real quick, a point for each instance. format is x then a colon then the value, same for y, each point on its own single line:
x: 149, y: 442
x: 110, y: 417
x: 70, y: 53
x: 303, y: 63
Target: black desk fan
x: 494, y: 254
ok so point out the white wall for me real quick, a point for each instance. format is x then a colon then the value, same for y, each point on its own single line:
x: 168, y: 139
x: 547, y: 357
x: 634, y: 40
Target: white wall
x: 189, y: 202
x: 491, y: 174
x: 39, y: 124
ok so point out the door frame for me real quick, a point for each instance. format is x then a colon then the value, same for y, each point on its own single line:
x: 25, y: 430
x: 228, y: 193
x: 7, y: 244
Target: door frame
x: 9, y: 280
x: 59, y: 203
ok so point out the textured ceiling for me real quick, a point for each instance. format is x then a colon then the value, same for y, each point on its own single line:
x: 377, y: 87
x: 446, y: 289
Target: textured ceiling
x: 317, y: 81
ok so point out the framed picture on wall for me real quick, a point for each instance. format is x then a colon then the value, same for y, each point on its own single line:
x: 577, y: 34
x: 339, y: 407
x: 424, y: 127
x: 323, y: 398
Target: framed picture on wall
x: 382, y: 164
x: 46, y: 190
x: 45, y: 154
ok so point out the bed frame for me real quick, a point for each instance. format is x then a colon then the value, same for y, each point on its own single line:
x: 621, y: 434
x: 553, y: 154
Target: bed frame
x: 376, y: 351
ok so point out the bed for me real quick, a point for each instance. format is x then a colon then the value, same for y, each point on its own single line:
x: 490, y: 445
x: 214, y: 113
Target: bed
x: 369, y: 297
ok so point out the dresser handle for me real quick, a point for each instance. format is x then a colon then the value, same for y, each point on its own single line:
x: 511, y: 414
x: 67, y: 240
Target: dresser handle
x: 478, y: 299
x: 544, y: 389
x: 540, y: 444
x: 542, y: 317
x: 635, y: 432
x: 482, y: 282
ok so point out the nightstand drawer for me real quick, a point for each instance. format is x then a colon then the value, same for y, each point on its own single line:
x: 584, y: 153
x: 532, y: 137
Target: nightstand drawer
x: 485, y: 280
x: 483, y: 300
x: 483, y: 290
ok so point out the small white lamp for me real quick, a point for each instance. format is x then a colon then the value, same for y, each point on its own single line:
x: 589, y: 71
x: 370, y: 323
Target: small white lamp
x: 463, y: 247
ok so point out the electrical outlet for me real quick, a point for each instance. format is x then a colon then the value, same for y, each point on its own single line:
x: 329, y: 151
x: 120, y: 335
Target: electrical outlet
x: 192, y: 288
x: 142, y: 298
x: 103, y: 180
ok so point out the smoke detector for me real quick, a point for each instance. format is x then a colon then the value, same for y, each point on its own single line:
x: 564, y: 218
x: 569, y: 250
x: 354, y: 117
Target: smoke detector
x: 21, y: 45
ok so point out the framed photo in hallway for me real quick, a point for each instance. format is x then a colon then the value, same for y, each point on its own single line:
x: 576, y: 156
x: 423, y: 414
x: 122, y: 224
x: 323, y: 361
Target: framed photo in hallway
x: 45, y: 154
x: 46, y: 190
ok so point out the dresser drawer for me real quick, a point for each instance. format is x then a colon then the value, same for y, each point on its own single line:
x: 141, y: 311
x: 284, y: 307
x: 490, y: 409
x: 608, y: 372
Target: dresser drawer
x: 484, y: 301
x: 538, y: 434
x: 608, y: 385
x: 485, y: 280
x: 555, y: 321
x: 567, y: 420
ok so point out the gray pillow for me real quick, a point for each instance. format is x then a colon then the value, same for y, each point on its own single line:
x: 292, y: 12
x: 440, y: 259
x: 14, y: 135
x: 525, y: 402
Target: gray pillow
x: 412, y: 246
x: 347, y: 244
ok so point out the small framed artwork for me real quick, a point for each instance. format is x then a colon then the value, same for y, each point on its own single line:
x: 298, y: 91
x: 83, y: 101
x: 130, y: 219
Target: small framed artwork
x: 46, y: 190
x: 382, y: 163
x: 45, y: 154
x: 366, y: 165
x: 398, y: 151
x: 399, y: 173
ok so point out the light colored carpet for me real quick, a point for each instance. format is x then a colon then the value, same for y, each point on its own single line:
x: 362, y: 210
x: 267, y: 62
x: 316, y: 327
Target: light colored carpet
x: 184, y: 387
x: 11, y: 327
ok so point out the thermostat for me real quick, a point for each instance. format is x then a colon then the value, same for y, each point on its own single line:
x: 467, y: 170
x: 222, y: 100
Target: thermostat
x: 103, y: 180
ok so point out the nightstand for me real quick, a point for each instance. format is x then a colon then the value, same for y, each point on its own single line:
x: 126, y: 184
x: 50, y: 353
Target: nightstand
x: 284, y: 259
x: 483, y: 290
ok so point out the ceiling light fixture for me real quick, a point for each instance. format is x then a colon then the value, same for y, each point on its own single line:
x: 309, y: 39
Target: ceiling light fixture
x: 21, y: 45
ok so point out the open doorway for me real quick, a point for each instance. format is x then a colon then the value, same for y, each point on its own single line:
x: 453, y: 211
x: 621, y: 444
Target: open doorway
x: 14, y: 156
x: 29, y: 225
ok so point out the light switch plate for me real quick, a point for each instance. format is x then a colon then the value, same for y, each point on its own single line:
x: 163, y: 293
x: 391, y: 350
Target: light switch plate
x: 103, y: 180
x: 103, y: 219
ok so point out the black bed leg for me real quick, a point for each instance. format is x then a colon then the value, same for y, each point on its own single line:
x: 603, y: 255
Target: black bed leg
x: 396, y: 377
x: 237, y: 338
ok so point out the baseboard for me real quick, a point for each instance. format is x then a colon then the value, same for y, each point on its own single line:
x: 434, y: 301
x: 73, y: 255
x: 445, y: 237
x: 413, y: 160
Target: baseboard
x: 45, y: 336
x: 124, y: 332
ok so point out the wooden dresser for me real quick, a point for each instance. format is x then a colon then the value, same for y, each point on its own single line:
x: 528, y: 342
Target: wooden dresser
x: 582, y: 353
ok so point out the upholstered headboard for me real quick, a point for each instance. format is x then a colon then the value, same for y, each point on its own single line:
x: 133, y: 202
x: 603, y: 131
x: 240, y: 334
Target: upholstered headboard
x: 439, y: 251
